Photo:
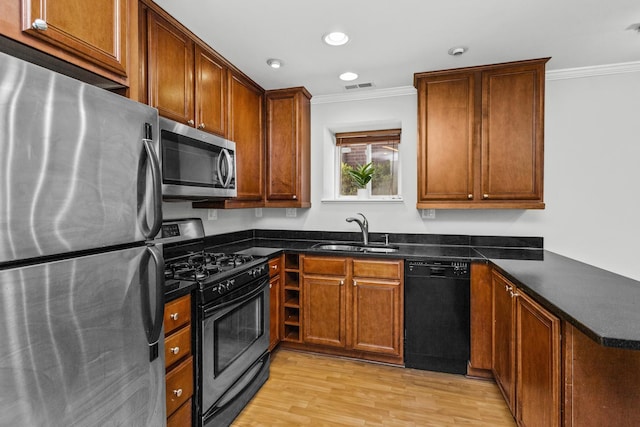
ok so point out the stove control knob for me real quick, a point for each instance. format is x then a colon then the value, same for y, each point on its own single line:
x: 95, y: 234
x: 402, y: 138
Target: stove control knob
x: 220, y: 289
x: 231, y: 283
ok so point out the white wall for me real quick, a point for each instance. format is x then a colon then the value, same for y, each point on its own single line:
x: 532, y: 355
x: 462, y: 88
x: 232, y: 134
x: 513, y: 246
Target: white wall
x: 592, y: 149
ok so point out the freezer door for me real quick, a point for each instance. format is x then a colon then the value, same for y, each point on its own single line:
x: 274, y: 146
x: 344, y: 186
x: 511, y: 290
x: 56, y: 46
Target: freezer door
x: 76, y: 171
x: 76, y: 338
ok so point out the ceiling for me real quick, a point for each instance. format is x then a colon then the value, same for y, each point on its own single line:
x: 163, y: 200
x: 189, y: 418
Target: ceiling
x: 391, y: 40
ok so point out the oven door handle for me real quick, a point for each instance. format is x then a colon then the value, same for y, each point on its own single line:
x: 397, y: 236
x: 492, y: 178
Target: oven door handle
x: 207, y: 311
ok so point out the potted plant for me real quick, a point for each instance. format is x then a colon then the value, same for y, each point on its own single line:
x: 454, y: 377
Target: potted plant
x: 361, y: 175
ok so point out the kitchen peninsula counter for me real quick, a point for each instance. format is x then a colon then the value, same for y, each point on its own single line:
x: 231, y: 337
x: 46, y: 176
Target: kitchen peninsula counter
x: 603, y: 305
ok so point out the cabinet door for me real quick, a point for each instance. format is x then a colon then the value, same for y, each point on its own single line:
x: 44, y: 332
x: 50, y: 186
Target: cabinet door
x: 503, y: 355
x: 446, y: 116
x: 288, y: 142
x: 512, y: 133
x: 170, y: 70
x: 211, y: 92
x: 324, y: 311
x: 245, y: 129
x: 275, y: 320
x: 97, y: 33
x: 377, y: 316
x: 480, y: 316
x: 537, y: 365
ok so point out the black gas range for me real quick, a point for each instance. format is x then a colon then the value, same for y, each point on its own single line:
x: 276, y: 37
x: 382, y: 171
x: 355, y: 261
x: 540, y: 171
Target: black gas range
x: 231, y: 320
x: 215, y: 274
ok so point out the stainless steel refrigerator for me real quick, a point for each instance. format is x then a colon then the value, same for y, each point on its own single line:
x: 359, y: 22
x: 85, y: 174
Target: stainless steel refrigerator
x: 81, y: 286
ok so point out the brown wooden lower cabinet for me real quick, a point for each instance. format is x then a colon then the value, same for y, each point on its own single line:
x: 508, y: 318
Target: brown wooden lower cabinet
x: 275, y: 301
x: 178, y: 361
x: 526, y: 355
x: 537, y: 364
x: 353, y: 307
x: 481, y: 311
x: 601, y: 384
x: 182, y: 416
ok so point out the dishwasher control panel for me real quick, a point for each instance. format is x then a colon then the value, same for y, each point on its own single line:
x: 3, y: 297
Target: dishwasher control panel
x: 438, y: 268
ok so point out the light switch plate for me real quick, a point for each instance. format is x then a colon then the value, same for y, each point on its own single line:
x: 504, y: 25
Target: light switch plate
x: 291, y: 212
x: 212, y: 214
x: 258, y: 212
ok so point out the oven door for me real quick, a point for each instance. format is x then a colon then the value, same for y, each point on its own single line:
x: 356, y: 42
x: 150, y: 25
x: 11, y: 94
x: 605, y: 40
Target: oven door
x: 234, y: 335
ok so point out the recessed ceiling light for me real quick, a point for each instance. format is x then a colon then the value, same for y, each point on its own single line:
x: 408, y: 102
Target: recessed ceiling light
x: 348, y: 76
x: 335, y: 38
x: 274, y: 63
x: 457, y: 51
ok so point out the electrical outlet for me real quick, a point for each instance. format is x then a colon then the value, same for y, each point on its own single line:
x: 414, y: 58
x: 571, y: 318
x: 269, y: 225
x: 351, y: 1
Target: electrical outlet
x: 258, y: 212
x: 428, y: 213
x: 291, y: 212
x: 212, y: 214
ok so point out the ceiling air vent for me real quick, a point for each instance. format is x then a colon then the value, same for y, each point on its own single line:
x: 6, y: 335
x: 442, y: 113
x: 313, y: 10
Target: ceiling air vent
x: 359, y: 86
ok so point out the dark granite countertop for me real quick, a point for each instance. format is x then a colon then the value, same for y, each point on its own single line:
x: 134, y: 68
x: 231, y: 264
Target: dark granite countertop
x: 603, y: 305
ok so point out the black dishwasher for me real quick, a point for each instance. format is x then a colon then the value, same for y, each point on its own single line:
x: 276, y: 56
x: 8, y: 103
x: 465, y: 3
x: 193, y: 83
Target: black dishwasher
x: 436, y: 315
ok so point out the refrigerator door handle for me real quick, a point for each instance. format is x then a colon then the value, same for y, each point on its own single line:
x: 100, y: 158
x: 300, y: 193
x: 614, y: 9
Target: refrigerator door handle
x: 150, y: 232
x: 153, y: 325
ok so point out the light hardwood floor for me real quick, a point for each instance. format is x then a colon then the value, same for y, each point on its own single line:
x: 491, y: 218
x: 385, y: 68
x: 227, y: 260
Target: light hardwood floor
x: 314, y: 390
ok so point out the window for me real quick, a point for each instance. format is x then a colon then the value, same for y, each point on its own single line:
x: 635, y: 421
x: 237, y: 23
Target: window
x: 380, y: 148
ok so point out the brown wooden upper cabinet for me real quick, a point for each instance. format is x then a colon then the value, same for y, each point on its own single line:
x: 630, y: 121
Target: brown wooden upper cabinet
x: 246, y: 129
x: 481, y: 136
x: 186, y: 81
x: 94, y: 38
x: 288, y: 148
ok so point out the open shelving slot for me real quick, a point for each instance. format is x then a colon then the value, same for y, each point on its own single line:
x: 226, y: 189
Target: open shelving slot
x: 292, y: 298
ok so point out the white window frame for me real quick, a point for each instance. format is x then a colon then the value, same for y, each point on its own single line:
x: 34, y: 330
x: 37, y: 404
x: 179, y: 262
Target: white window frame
x: 369, y: 196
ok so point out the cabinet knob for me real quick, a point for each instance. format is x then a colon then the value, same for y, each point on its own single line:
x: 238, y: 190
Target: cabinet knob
x: 177, y: 392
x: 174, y: 316
x: 270, y: 286
x: 514, y: 294
x: 469, y: 196
x: 275, y: 267
x: 40, y: 25
x: 190, y: 122
x: 355, y: 283
x: 174, y: 350
x: 201, y: 126
x: 341, y: 282
x: 485, y: 196
x: 295, y: 197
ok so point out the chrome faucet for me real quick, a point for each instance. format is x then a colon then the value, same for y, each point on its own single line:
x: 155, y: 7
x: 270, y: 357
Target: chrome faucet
x: 364, y: 226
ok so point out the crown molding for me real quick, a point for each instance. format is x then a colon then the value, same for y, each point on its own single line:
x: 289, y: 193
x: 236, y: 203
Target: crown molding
x: 359, y: 95
x: 563, y: 74
x: 593, y: 71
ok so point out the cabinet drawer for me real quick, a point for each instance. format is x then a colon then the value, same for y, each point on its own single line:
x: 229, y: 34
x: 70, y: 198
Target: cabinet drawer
x: 377, y: 269
x: 182, y: 417
x: 179, y: 385
x: 177, y: 313
x: 274, y: 267
x: 325, y: 266
x: 177, y: 346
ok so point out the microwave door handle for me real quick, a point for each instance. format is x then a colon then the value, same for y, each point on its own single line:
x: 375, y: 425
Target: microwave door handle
x: 227, y: 179
x: 151, y: 231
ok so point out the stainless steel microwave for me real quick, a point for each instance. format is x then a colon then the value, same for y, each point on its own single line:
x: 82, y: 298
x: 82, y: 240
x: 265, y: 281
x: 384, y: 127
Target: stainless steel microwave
x: 195, y: 164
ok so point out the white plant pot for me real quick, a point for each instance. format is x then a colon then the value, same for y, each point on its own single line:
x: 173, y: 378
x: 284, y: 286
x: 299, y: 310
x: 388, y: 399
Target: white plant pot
x: 362, y: 193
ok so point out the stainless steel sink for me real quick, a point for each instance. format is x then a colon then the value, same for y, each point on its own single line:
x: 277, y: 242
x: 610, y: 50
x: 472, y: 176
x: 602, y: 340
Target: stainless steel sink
x: 349, y: 247
x: 338, y: 247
